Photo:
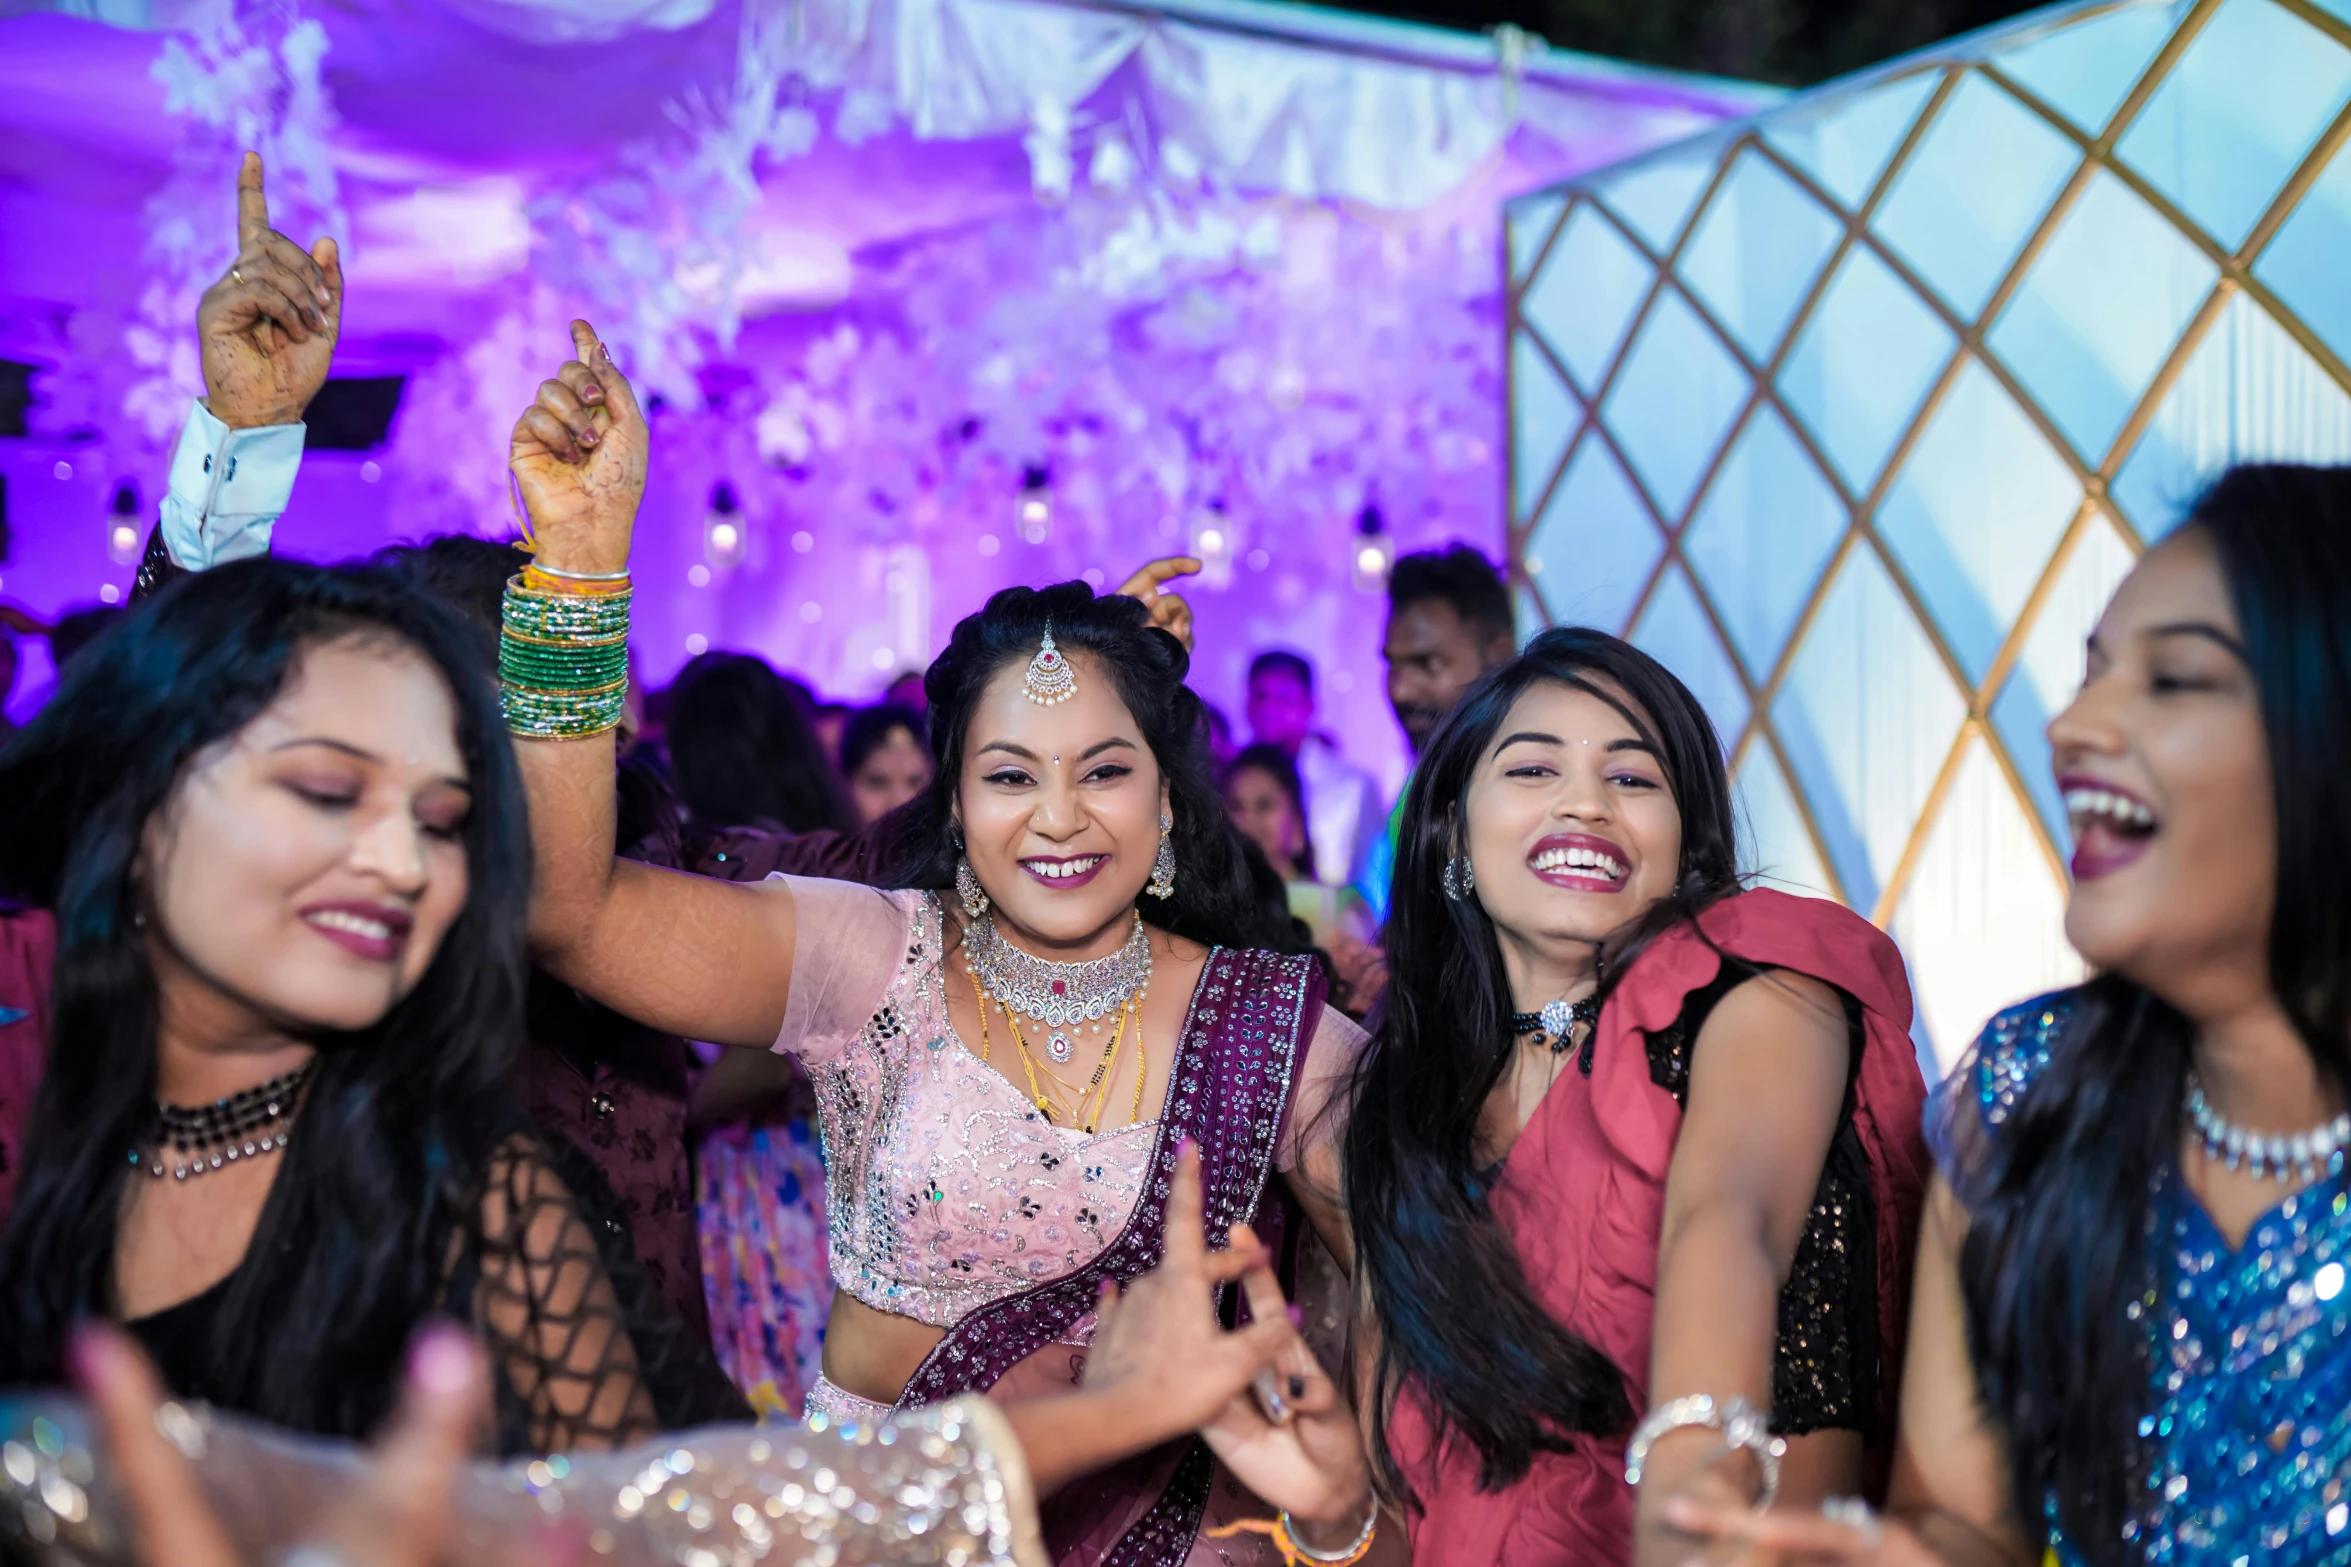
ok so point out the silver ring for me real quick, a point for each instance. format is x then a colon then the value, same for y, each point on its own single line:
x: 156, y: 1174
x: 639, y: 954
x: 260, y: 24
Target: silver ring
x: 1858, y: 1516
x: 236, y: 276
x: 1269, y: 1397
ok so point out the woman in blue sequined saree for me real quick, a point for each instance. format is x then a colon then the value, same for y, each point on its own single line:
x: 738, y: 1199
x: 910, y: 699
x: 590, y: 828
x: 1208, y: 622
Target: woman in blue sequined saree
x: 2131, y: 1338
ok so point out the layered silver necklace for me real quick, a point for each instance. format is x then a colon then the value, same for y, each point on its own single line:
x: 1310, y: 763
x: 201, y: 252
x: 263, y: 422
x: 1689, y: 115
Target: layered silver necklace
x: 1059, y: 995
x: 2270, y: 1156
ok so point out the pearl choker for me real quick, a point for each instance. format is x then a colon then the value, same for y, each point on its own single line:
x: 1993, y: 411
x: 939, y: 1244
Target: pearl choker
x: 2272, y: 1156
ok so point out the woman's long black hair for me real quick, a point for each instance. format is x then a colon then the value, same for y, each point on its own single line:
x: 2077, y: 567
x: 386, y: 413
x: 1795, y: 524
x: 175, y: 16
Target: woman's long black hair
x: 1456, y: 1318
x: 743, y: 751
x: 400, y: 1120
x: 1216, y: 901
x: 2055, y: 1263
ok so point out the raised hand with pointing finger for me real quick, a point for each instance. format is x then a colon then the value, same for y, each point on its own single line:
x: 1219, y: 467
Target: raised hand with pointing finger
x: 267, y: 326
x: 578, y: 456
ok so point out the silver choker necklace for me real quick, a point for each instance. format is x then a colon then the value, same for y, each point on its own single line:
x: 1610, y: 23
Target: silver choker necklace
x: 1058, y: 994
x: 2272, y: 1156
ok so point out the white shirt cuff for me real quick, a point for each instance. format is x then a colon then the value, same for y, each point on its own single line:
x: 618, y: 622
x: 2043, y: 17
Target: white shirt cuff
x: 228, y: 488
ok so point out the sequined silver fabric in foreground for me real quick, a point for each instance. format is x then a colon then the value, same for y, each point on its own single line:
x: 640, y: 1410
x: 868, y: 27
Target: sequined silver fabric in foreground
x: 945, y: 1484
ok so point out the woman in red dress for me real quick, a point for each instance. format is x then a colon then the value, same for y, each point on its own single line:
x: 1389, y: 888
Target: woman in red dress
x: 1632, y: 1141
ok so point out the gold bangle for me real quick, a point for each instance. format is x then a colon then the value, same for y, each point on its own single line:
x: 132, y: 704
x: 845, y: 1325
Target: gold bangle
x: 570, y: 694
x: 513, y: 635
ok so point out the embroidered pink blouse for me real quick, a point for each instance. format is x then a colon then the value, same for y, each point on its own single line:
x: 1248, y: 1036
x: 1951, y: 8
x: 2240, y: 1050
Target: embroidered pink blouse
x: 945, y: 1189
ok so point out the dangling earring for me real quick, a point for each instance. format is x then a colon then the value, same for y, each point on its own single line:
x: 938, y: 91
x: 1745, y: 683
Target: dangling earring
x: 1163, y: 868
x: 967, y: 885
x: 1461, y: 878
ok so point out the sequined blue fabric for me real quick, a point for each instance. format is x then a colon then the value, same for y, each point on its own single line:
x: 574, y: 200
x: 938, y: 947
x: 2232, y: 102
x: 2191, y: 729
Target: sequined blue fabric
x: 2247, y: 1428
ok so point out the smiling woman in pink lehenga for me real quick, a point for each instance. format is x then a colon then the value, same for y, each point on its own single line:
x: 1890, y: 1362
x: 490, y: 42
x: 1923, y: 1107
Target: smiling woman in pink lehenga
x: 1077, y: 982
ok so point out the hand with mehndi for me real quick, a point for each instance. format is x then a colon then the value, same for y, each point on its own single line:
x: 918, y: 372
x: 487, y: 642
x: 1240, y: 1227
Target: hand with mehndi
x: 1169, y: 612
x: 1160, y: 1348
x: 579, y: 458
x: 266, y: 330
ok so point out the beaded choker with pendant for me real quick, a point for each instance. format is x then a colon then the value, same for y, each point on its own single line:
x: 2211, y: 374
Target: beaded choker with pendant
x: 1556, y: 1021
x: 2270, y: 1156
x: 193, y: 1140
x: 1059, y: 995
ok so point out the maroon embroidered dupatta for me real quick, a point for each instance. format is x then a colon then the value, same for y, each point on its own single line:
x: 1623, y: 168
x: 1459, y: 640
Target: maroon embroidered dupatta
x: 1243, y: 1042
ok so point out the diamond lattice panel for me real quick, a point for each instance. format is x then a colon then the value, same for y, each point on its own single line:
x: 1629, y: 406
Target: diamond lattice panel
x: 2240, y: 110
x: 2085, y: 70
x: 1674, y: 630
x: 1975, y: 942
x: 2100, y: 309
x: 1844, y: 144
x: 2250, y: 393
x: 1595, y: 545
x: 2049, y: 666
x: 1974, y: 514
x: 1867, y: 716
x: 1547, y: 415
x: 1752, y: 258
x: 1584, y: 298
x: 1529, y: 226
x: 1763, y: 536
x: 2003, y: 350
x: 1674, y: 400
x: 1655, y: 196
x: 1775, y: 845
x: 1984, y: 173
x: 2304, y: 264
x: 1857, y: 374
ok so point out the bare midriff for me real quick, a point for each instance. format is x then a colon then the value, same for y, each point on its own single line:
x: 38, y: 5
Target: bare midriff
x: 874, y: 1354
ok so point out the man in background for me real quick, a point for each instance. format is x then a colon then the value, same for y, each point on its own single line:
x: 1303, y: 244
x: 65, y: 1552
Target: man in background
x: 1343, y: 805
x: 1449, y: 622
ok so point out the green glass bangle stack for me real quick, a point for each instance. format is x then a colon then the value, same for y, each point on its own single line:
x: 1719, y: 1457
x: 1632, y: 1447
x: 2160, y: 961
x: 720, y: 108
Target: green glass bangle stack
x: 563, y: 662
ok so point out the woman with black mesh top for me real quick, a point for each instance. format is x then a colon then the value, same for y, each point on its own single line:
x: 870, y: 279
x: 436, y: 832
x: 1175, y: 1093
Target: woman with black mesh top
x: 281, y: 835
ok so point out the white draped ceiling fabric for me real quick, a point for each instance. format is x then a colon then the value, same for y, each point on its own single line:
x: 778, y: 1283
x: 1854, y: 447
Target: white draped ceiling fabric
x: 1219, y: 274
x: 1855, y: 412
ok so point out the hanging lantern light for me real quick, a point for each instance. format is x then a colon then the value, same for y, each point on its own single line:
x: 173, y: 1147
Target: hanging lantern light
x: 122, y: 525
x: 1215, y: 541
x: 1034, y: 512
x: 1374, y: 552
x: 725, y: 530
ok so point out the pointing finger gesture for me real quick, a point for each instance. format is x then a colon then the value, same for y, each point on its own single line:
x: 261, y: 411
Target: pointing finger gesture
x: 578, y: 456
x: 267, y: 326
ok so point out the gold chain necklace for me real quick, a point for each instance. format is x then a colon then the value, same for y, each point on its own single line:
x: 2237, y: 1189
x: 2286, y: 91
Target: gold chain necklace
x: 1096, y: 1087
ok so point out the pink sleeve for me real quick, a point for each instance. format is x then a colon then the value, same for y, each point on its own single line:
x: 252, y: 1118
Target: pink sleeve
x: 848, y: 941
x: 1318, y: 1104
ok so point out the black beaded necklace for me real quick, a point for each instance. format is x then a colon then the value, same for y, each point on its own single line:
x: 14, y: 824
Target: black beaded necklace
x: 1555, y: 1024
x: 193, y: 1140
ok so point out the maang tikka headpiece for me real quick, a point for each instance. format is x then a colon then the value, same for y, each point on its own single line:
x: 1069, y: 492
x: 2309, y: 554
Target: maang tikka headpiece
x: 1050, y: 681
